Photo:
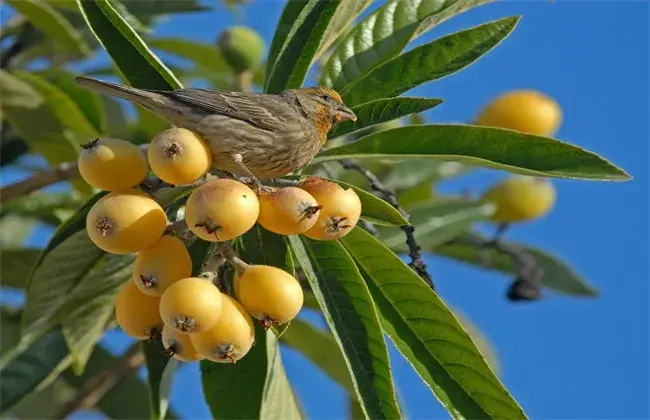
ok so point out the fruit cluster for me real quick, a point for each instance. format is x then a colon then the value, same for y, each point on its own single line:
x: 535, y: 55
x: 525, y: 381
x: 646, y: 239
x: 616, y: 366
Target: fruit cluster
x: 195, y: 319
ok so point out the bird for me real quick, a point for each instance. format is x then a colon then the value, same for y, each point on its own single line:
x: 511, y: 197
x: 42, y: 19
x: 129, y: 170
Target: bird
x: 260, y: 136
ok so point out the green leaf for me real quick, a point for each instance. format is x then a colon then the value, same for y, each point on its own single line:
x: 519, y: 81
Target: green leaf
x: 21, y: 105
x: 374, y: 209
x: 438, y: 222
x: 160, y: 373
x: 383, y: 110
x: 426, y: 332
x: 346, y: 13
x: 60, y: 270
x: 145, y: 10
x: 30, y: 366
x: 558, y: 275
x: 428, y: 62
x: 320, y: 348
x: 131, y: 55
x: 350, y: 312
x: 408, y: 174
x: 13, y: 230
x: 52, y: 24
x: 258, y: 380
x: 207, y: 57
x: 480, y: 340
x: 289, y: 69
x: 279, y: 401
x: 290, y: 14
x: 89, y: 103
x: 495, y: 148
x: 384, y: 34
x: 16, y: 266
x: 259, y: 246
x: 89, y: 306
x: 47, y: 207
x: 65, y: 109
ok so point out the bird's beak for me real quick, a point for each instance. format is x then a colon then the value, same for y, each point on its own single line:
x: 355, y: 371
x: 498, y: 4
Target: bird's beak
x: 343, y: 113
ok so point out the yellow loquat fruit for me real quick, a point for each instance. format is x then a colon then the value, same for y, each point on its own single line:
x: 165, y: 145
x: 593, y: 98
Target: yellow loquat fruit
x: 221, y: 210
x: 520, y: 198
x: 112, y: 164
x: 191, y: 305
x: 179, y: 345
x: 160, y: 265
x: 340, y: 209
x: 125, y: 222
x: 288, y: 211
x: 178, y: 156
x: 137, y: 314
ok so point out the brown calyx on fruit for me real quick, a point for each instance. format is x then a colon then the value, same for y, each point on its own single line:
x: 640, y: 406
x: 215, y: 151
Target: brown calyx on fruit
x: 172, y: 150
x: 154, y: 334
x: 267, y: 322
x: 185, y: 324
x: 91, y: 144
x: 104, y: 226
x: 337, y: 224
x: 171, y: 350
x: 148, y: 281
x: 227, y: 352
x: 311, y: 211
x: 210, y: 228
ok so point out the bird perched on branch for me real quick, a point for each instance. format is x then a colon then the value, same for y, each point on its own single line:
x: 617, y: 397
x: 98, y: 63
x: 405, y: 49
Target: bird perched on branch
x: 250, y: 134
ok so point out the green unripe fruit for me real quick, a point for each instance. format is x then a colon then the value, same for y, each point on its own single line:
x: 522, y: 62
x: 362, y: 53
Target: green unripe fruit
x: 242, y: 47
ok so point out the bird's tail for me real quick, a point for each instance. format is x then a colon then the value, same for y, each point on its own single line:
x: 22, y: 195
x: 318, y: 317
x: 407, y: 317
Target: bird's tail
x: 148, y: 99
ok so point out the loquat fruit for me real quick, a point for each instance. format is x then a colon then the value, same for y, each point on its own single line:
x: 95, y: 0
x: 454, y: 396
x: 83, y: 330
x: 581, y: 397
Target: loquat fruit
x: 178, y: 345
x: 221, y: 209
x: 160, y: 265
x: 112, y: 164
x: 137, y: 314
x: 125, y: 222
x: 520, y: 198
x: 230, y: 338
x: 269, y: 294
x: 340, y: 209
x: 178, y: 156
x: 526, y: 111
x: 191, y: 305
x: 288, y: 211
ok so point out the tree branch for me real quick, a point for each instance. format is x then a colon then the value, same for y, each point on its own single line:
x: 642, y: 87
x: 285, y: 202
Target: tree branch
x: 63, y: 172
x: 417, y: 264
x: 95, y: 389
x: 528, y: 273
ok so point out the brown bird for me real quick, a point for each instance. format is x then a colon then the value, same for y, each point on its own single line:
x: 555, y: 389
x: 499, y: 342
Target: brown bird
x: 251, y: 134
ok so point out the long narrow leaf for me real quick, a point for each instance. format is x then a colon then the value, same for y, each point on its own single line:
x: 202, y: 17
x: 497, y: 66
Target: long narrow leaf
x: 438, y: 222
x: 481, y: 146
x: 384, y: 34
x: 557, y: 275
x: 137, y: 63
x: 426, y: 332
x: 294, y: 59
x: 254, y: 387
x: 383, y: 110
x: 321, y: 348
x: 352, y: 317
x: 160, y: 372
x: 52, y: 23
x: 428, y: 62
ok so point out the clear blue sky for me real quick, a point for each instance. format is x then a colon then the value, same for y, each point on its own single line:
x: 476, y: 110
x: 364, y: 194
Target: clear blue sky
x: 561, y: 357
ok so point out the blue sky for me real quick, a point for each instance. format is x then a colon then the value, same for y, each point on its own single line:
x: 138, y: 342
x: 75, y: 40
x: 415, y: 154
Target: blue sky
x: 561, y: 357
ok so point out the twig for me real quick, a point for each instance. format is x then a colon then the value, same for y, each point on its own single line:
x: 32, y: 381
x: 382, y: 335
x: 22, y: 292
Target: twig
x: 528, y: 273
x: 63, y: 172
x: 417, y: 264
x: 95, y: 389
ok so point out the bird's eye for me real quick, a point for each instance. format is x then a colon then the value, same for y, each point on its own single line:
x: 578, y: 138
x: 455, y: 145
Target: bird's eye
x: 325, y: 98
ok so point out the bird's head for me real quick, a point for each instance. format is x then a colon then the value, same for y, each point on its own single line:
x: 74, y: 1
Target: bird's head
x: 325, y: 105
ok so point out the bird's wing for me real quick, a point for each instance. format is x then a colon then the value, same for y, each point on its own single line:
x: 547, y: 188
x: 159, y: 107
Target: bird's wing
x: 262, y: 111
